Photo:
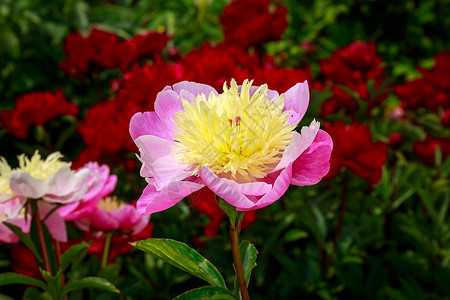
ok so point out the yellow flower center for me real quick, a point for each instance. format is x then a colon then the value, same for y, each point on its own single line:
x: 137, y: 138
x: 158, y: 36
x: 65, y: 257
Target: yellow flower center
x: 5, y: 174
x: 236, y: 135
x: 41, y: 169
x: 109, y: 204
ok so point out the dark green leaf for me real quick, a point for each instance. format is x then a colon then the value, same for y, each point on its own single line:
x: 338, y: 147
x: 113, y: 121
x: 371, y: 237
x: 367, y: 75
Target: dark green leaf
x: 26, y: 240
x: 71, y: 254
x: 248, y: 254
x: 183, y: 257
x: 13, y: 278
x: 90, y: 282
x: 206, y: 292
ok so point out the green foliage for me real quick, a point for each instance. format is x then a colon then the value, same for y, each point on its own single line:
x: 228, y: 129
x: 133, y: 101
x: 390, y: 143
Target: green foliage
x: 182, y: 256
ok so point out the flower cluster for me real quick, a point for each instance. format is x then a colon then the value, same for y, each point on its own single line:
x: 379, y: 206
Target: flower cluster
x: 353, y: 66
x: 104, y: 50
x: 432, y: 91
x: 61, y: 194
x: 35, y: 109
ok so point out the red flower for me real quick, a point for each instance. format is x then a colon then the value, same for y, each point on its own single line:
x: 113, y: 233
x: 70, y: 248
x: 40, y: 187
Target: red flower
x: 395, y: 140
x: 439, y: 75
x: 205, y: 202
x: 418, y: 93
x: 104, y: 50
x: 120, y: 244
x: 35, y: 109
x: 354, y: 149
x: 426, y: 149
x: 86, y: 54
x: 23, y: 261
x: 141, y: 85
x: 105, y: 129
x: 249, y: 23
x: 279, y: 78
x: 445, y: 118
x: 145, y: 45
x: 353, y: 66
x: 339, y: 100
x: 433, y: 91
x: 215, y: 65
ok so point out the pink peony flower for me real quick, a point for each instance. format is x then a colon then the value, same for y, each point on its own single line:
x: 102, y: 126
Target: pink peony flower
x: 100, y: 184
x: 241, y: 144
x: 51, y: 179
x: 11, y: 212
x: 109, y: 214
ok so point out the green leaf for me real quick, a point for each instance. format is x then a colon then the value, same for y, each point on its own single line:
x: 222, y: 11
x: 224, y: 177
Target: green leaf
x: 206, y: 292
x: 183, y: 257
x: 26, y: 240
x: 248, y: 254
x: 13, y: 278
x: 229, y: 209
x: 5, y: 297
x: 71, y: 254
x: 90, y: 282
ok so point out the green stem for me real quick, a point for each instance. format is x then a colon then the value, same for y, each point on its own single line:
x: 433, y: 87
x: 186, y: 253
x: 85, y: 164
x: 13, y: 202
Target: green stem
x: 235, y: 248
x: 106, y: 250
x: 40, y: 231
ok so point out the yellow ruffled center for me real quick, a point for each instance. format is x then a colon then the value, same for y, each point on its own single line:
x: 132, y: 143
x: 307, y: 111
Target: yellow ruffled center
x: 39, y: 168
x: 5, y: 174
x: 109, y: 204
x: 236, y: 135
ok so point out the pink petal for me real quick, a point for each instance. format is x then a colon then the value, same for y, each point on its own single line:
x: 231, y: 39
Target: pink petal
x: 23, y: 184
x: 280, y: 186
x: 101, y: 219
x: 147, y: 123
x: 224, y: 189
x: 194, y: 88
x: 299, y: 143
x: 166, y: 105
x: 152, y: 201
x: 249, y: 188
x: 314, y: 163
x: 54, y: 222
x: 158, y: 161
x: 127, y: 216
x: 271, y: 93
x: 75, y: 186
x: 296, y: 99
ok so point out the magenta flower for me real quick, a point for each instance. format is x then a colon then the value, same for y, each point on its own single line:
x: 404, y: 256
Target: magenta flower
x: 109, y: 214
x: 241, y: 144
x: 100, y: 184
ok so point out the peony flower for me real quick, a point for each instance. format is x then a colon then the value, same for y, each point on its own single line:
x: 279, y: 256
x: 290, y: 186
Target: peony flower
x: 50, y: 179
x: 355, y: 150
x: 100, y: 184
x: 250, y: 28
x: 12, y: 212
x: 241, y: 144
x: 426, y: 149
x: 35, y: 109
x: 109, y: 214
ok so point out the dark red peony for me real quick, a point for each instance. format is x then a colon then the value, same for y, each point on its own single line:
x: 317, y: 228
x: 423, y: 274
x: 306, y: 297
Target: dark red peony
x: 353, y: 148
x: 35, y: 109
x: 355, y: 66
x: 249, y: 23
x: 426, y: 149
